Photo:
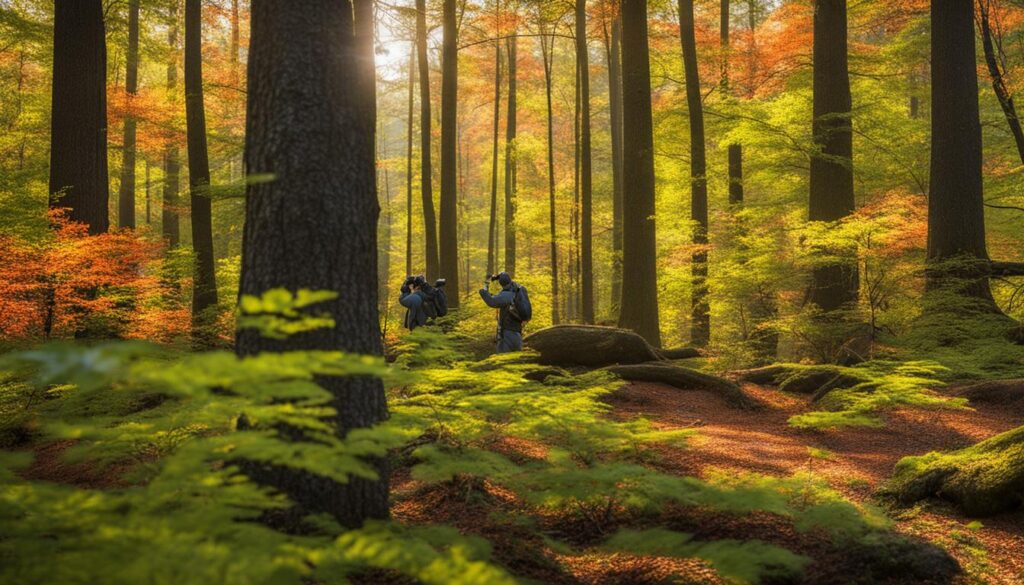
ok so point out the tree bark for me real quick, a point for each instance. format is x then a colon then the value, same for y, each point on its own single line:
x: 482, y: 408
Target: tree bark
x: 615, y: 105
x: 586, y: 284
x: 449, y: 227
x: 700, y: 327
x: 510, y: 161
x: 547, y: 44
x: 313, y: 136
x: 723, y: 43
x: 736, y: 174
x: 426, y: 168
x: 998, y: 81
x: 204, y: 284
x: 126, y: 190
x: 831, y: 187
x: 639, y: 252
x: 78, y: 130
x: 492, y: 226
x: 172, y: 158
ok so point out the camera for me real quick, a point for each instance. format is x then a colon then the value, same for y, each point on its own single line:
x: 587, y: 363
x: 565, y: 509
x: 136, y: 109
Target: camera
x: 493, y: 277
x: 440, y: 282
x: 409, y: 280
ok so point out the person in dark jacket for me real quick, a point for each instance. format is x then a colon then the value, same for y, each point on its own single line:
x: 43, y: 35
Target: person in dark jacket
x: 413, y: 300
x: 510, y: 329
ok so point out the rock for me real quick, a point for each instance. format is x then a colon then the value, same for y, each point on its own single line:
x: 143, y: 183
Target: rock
x: 820, y: 380
x: 767, y: 375
x: 590, y: 345
x: 686, y: 379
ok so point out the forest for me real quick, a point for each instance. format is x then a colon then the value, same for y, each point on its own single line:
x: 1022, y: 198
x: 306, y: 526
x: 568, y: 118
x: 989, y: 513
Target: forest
x: 483, y: 292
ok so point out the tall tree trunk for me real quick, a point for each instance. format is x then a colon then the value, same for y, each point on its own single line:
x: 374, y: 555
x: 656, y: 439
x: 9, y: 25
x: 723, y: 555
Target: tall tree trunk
x: 204, y: 286
x: 639, y: 252
x: 384, y: 274
x: 149, y: 217
x: 510, y: 161
x: 449, y: 227
x: 172, y: 158
x: 323, y: 202
x: 998, y: 82
x: 956, y: 214
x: 126, y: 191
x: 700, y: 331
x: 234, y: 47
x: 615, y: 105
x: 492, y: 226
x: 723, y: 42
x: 408, y: 163
x: 831, y: 193
x: 547, y: 45
x: 586, y: 284
x: 735, y: 174
x: 78, y: 130
x: 426, y: 168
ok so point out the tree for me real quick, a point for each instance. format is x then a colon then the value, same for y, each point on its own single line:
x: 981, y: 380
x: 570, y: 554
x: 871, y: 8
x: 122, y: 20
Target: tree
x: 307, y: 125
x: 996, y: 66
x: 834, y: 285
x: 204, y: 285
x: 639, y: 250
x: 172, y: 158
x: 700, y: 329
x: 426, y: 168
x: 78, y: 131
x: 547, y: 49
x: 492, y: 226
x: 449, y: 228
x: 126, y: 192
x: 586, y: 284
x: 510, y: 160
x: 408, y: 162
x: 614, y: 51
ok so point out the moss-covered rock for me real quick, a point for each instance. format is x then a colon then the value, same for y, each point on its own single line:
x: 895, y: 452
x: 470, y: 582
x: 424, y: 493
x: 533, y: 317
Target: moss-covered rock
x: 984, y: 479
x: 820, y: 380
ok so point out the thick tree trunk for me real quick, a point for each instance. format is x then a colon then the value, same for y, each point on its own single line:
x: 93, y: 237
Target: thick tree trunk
x: 204, y: 285
x: 78, y: 130
x: 323, y: 203
x: 998, y: 82
x: 408, y: 163
x: 510, y: 161
x: 547, y: 44
x: 172, y: 158
x: 492, y: 226
x: 639, y: 251
x: 126, y: 190
x: 831, y: 191
x: 449, y: 227
x: 426, y: 168
x: 586, y: 284
x: 615, y: 105
x: 700, y: 327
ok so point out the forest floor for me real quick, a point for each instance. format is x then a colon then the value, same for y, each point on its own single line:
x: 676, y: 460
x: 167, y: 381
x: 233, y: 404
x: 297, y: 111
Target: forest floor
x: 854, y: 461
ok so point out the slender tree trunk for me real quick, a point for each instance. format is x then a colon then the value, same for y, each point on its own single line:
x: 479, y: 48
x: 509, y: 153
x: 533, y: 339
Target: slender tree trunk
x: 126, y: 192
x: 547, y: 45
x: 700, y: 331
x: 408, y: 163
x: 639, y: 252
x: 998, y: 81
x: 234, y: 47
x: 204, y: 286
x: 172, y: 158
x: 492, y: 226
x: 615, y: 104
x: 149, y: 218
x: 723, y: 42
x: 735, y: 174
x: 426, y: 150
x: 384, y: 274
x: 78, y: 130
x: 323, y: 202
x: 831, y: 193
x: 586, y: 175
x: 511, y: 162
x: 449, y: 227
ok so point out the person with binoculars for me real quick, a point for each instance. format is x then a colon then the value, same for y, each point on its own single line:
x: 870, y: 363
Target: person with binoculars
x: 514, y: 311
x: 423, y: 303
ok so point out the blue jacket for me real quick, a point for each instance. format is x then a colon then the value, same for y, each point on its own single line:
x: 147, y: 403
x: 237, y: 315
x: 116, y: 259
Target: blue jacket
x: 502, y: 301
x: 415, y: 315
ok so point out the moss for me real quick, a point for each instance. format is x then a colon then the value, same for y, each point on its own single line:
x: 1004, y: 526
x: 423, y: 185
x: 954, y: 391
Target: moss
x: 818, y: 380
x: 984, y: 479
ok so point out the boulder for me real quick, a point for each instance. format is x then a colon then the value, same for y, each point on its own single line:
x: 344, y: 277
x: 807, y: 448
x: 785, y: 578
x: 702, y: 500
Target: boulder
x: 590, y: 345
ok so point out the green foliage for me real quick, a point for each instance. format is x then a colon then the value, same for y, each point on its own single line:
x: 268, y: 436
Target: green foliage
x: 278, y: 313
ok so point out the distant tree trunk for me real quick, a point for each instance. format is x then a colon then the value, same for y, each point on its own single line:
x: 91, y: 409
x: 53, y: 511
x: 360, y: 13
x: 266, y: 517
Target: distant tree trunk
x: 547, y: 47
x: 426, y: 168
x: 752, y: 56
x: 586, y: 283
x: 323, y: 202
x: 385, y: 249
x: 956, y: 214
x: 700, y: 330
x: 449, y: 228
x: 204, y: 287
x: 510, y: 162
x: 492, y: 226
x: 639, y: 252
x: 998, y: 81
x: 723, y: 42
x: 831, y: 193
x: 615, y: 105
x: 735, y: 174
x: 78, y: 130
x: 126, y: 191
x: 233, y: 48
x: 172, y: 158
x: 408, y: 163
x: 149, y: 218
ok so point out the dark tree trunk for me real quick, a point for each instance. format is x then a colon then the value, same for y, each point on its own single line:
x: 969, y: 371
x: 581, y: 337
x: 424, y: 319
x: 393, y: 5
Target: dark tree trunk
x: 510, y: 162
x: 723, y: 41
x: 78, y: 131
x: 149, y: 217
x: 586, y: 284
x: 172, y: 158
x: 700, y: 329
x: 831, y: 193
x: 639, y: 251
x: 204, y: 286
x: 323, y: 203
x: 735, y: 174
x: 449, y: 227
x: 426, y: 168
x: 126, y: 191
x: 547, y: 44
x: 492, y: 226
x: 615, y: 105
x: 408, y: 163
x: 956, y: 214
x: 998, y: 82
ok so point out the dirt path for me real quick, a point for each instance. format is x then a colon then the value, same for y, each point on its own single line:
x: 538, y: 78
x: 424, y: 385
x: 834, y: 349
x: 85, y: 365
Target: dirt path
x: 859, y: 460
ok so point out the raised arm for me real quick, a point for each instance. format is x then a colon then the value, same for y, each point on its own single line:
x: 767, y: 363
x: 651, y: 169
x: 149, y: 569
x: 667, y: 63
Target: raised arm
x: 498, y: 301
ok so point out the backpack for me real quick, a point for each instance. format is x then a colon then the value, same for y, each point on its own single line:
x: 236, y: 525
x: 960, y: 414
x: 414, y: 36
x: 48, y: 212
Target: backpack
x: 521, y: 309
x: 430, y: 302
x: 440, y: 302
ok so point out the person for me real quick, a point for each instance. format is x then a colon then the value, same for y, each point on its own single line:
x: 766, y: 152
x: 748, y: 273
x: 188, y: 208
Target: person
x: 510, y: 329
x: 414, y: 300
